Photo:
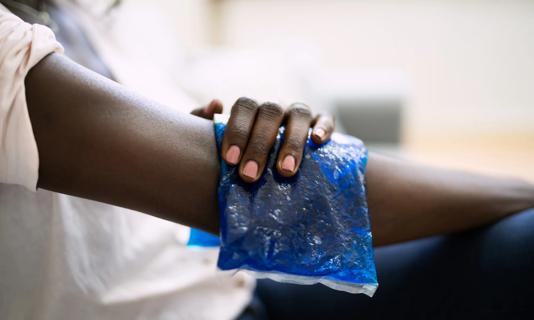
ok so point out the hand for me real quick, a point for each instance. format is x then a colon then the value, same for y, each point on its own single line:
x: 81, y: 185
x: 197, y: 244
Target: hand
x: 251, y: 132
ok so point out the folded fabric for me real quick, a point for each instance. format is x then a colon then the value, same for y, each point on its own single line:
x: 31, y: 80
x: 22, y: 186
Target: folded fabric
x: 311, y: 228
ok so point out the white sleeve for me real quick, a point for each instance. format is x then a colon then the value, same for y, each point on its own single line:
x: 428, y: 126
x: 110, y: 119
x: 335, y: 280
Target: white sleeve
x: 22, y: 46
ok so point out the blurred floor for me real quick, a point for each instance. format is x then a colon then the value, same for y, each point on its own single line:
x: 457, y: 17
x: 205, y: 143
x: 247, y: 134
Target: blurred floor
x: 498, y: 153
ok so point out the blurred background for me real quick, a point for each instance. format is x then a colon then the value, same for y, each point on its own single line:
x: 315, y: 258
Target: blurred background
x: 445, y: 82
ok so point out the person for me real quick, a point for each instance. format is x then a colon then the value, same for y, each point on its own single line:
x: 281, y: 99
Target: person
x: 75, y: 258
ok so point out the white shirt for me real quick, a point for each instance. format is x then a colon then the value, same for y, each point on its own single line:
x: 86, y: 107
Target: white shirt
x: 63, y: 257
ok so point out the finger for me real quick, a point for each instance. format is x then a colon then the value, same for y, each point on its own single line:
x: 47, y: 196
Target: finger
x: 298, y: 123
x: 207, y: 112
x: 268, y: 121
x: 215, y: 106
x: 322, y: 129
x: 198, y: 112
x: 238, y: 129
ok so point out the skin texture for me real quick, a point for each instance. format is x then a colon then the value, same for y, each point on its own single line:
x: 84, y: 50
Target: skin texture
x: 409, y: 200
x: 100, y: 141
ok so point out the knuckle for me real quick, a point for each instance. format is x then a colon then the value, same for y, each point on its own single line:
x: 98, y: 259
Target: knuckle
x: 300, y: 110
x: 294, y: 143
x: 239, y: 133
x: 271, y: 110
x: 259, y: 148
x: 245, y: 104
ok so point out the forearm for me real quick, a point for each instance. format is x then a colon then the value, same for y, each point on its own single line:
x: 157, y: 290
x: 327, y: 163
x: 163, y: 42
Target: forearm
x: 409, y: 201
x: 99, y: 141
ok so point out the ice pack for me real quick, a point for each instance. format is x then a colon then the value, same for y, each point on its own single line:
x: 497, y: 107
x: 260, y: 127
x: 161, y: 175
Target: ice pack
x: 311, y: 228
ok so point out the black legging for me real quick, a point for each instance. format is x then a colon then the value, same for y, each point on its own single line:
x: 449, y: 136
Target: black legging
x: 484, y: 273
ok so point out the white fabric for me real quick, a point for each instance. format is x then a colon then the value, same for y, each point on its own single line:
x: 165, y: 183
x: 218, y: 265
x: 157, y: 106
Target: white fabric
x: 21, y: 46
x: 63, y: 257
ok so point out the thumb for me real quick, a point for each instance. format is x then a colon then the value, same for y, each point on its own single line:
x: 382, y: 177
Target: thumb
x: 207, y: 112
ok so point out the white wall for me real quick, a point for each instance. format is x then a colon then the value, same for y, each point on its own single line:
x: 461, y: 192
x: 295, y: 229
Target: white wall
x: 470, y: 63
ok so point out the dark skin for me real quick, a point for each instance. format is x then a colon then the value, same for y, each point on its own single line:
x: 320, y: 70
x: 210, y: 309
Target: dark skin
x: 100, y: 141
x: 253, y: 128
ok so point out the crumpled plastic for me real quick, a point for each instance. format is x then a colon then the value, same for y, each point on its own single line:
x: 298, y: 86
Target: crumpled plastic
x: 311, y: 228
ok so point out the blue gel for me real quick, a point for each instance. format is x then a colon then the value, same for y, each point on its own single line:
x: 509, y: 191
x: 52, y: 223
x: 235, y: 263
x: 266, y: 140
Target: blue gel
x: 311, y: 228
x: 199, y: 238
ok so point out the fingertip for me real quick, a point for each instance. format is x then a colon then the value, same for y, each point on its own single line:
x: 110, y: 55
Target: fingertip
x: 210, y: 107
x: 319, y: 135
x: 216, y: 105
x: 319, y: 132
x: 216, y: 102
x: 219, y: 109
x: 232, y: 155
x: 249, y: 172
x: 287, y: 165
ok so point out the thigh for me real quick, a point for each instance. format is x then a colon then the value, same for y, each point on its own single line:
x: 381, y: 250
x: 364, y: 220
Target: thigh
x: 486, y: 272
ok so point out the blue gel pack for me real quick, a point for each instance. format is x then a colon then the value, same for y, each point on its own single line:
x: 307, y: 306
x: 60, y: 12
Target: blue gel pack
x: 199, y: 238
x: 311, y: 228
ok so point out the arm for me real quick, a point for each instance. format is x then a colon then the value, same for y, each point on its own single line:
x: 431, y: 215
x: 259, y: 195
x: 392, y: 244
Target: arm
x: 408, y: 201
x: 99, y: 141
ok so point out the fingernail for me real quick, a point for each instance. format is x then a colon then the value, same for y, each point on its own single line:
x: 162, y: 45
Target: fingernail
x: 251, y: 169
x: 320, y: 133
x: 289, y: 163
x: 232, y: 155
